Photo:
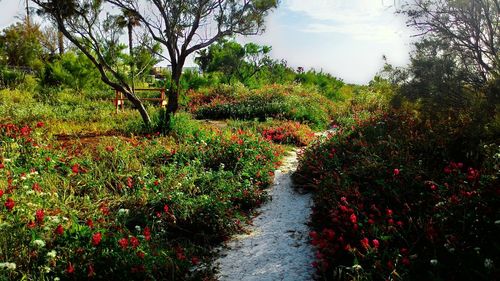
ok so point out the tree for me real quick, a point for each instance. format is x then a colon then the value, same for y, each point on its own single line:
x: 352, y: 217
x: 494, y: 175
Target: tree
x: 129, y: 20
x: 234, y: 60
x: 469, y: 28
x: 20, y: 45
x: 84, y: 23
x: 186, y: 26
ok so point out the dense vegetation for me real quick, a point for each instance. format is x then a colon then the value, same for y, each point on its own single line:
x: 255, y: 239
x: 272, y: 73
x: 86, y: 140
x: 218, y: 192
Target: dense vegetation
x: 406, y: 182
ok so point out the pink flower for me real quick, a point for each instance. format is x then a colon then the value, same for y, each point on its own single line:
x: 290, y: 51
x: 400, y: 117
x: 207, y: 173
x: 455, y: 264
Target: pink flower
x: 165, y: 208
x: 375, y: 243
x: 396, y: 172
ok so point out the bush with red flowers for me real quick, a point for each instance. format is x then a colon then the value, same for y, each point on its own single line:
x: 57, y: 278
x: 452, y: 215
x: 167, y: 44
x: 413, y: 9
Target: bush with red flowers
x: 390, y: 205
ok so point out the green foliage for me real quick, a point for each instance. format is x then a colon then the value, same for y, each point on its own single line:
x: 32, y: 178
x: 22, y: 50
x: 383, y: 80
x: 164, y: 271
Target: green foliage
x: 124, y: 208
x: 73, y: 71
x: 236, y: 62
x: 274, y: 101
x: 20, y: 46
x: 324, y: 82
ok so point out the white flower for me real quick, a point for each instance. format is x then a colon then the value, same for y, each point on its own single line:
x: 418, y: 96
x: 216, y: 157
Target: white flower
x: 138, y: 228
x: 52, y: 254
x: 357, y: 267
x: 38, y: 243
x: 8, y: 265
x: 29, y: 192
x: 488, y: 263
x: 46, y: 269
x: 434, y: 262
x: 57, y: 279
x: 123, y: 212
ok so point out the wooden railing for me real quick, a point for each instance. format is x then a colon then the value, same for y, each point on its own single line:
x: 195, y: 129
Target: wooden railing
x: 120, y: 99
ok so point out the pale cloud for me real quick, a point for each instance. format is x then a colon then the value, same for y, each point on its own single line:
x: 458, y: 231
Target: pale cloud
x: 361, y: 19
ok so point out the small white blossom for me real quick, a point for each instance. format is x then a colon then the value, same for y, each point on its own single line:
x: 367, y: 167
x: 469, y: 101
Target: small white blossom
x: 434, y: 262
x: 52, y: 254
x: 8, y: 265
x: 123, y: 212
x: 488, y: 263
x: 38, y: 243
x: 357, y: 267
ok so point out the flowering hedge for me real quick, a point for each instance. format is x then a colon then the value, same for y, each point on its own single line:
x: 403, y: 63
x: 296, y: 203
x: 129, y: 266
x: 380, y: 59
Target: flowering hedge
x: 131, y: 209
x: 388, y: 206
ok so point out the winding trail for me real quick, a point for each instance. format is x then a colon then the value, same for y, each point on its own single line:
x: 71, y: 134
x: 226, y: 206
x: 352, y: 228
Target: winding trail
x: 276, y: 247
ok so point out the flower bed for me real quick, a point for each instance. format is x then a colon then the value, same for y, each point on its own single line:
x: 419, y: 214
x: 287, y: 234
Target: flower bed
x: 140, y: 209
x: 389, y: 206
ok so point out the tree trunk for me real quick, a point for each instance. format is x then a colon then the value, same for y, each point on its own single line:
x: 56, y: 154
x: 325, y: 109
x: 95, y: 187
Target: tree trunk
x: 131, y: 52
x: 140, y: 107
x: 60, y: 42
x: 173, y: 95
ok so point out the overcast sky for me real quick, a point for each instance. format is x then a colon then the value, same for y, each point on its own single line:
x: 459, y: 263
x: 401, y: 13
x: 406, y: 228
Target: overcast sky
x: 346, y: 38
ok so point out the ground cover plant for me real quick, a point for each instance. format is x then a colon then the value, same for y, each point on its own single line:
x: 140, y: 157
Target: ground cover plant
x: 143, y: 208
x: 285, y: 102
x: 396, y: 201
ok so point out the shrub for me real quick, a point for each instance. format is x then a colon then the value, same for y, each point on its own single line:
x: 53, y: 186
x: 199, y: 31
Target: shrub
x: 391, y: 204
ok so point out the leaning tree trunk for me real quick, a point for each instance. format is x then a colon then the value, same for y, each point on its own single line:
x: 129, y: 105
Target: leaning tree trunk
x: 139, y: 106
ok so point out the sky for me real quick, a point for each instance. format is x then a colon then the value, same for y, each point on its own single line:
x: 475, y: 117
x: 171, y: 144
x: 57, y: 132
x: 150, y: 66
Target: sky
x: 346, y: 38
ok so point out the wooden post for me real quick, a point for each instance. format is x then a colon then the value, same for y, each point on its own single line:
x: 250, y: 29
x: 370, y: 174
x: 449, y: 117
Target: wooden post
x: 122, y: 101
x: 116, y: 101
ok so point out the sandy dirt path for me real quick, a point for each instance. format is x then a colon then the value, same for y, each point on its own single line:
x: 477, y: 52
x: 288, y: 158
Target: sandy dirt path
x: 276, y: 247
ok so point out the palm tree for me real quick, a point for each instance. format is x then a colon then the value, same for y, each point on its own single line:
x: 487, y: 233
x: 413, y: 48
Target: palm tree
x: 129, y: 19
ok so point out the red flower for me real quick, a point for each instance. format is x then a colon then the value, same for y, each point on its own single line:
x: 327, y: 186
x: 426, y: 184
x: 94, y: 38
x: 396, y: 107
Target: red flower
x: 165, y: 208
x: 40, y: 124
x: 75, y: 168
x: 134, y: 242
x: 195, y: 260
x: 123, y: 243
x: 353, y: 218
x: 31, y: 224
x: 110, y: 148
x: 1, y: 193
x: 36, y: 187
x: 9, y: 204
x: 90, y: 223
x: 147, y: 233
x: 313, y: 235
x: 130, y: 182
x: 447, y: 170
x: 2, y: 166
x: 59, y: 230
x: 365, y: 243
x: 96, y: 239
x: 156, y: 183
x: 25, y: 131
x: 329, y: 233
x: 70, y: 269
x: 375, y: 243
x: 405, y: 261
x: 344, y: 208
x: 40, y: 215
x: 388, y: 212
x: 396, y: 172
